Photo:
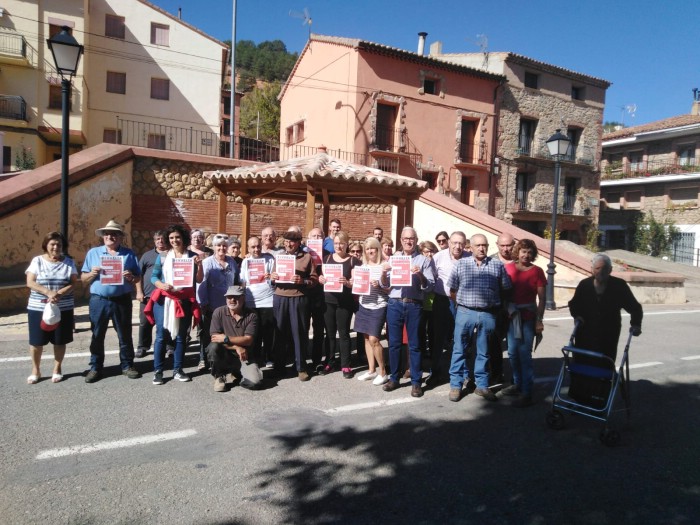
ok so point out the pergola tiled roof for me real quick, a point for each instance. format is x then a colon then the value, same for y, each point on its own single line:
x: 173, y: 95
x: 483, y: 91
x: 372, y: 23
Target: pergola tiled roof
x: 317, y: 178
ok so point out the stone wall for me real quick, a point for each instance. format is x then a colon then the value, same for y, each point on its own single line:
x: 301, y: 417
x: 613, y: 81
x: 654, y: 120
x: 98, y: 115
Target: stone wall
x: 655, y: 198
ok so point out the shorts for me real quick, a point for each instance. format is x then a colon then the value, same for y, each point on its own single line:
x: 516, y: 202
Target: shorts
x: 62, y: 335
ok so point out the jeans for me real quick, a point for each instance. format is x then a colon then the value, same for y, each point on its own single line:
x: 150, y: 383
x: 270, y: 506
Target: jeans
x: 118, y: 310
x: 338, y: 319
x: 466, y: 321
x: 520, y: 354
x: 397, y: 314
x: 161, y: 335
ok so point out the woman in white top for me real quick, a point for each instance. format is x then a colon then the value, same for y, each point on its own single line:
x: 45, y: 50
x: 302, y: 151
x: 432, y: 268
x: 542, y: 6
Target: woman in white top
x: 371, y: 315
x: 51, y: 278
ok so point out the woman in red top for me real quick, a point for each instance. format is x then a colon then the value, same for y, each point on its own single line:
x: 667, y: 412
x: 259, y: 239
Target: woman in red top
x: 526, y: 311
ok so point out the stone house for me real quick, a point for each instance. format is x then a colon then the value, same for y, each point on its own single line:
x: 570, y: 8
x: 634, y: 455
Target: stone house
x: 395, y: 110
x: 538, y: 99
x: 653, y: 168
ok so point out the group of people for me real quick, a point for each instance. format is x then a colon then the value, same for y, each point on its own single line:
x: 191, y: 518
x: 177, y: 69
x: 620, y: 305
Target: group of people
x: 446, y: 297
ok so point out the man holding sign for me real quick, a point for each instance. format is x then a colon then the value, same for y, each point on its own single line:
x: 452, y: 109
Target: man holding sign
x: 412, y: 275
x: 111, y: 270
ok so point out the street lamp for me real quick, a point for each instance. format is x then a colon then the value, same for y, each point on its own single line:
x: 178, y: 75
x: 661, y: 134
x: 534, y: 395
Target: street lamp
x: 558, y: 145
x: 66, y: 54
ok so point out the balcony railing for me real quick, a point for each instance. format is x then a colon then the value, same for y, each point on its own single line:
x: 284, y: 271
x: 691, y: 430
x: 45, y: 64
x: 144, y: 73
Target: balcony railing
x: 171, y: 138
x: 579, y: 154
x: 388, y: 139
x: 649, y: 168
x: 13, y: 107
x: 13, y: 44
x: 467, y: 155
x: 567, y: 205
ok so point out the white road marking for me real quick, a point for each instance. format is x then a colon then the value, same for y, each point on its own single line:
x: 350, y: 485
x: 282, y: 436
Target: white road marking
x: 49, y: 356
x: 644, y: 365
x: 109, y: 445
x: 646, y: 314
x: 690, y: 358
x: 366, y: 406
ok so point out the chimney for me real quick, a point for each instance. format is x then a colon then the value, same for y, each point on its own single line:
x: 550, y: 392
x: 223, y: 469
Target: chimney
x: 436, y: 48
x: 421, y: 42
x: 695, y: 108
x: 179, y: 13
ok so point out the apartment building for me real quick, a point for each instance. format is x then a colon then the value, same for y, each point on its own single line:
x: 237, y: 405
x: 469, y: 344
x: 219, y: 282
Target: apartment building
x: 396, y: 110
x: 147, y: 78
x: 537, y: 99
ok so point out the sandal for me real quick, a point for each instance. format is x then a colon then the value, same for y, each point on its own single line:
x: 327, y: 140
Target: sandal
x: 56, y: 378
x: 32, y: 380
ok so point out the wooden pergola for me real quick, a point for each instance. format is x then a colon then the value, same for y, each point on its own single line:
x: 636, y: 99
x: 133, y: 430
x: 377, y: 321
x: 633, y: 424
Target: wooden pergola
x: 316, y: 179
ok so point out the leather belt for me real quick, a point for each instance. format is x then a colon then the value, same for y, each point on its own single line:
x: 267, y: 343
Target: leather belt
x: 490, y: 310
x: 406, y: 300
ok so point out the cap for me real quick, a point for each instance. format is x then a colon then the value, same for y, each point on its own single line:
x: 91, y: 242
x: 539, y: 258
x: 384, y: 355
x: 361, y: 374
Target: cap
x: 49, y: 327
x: 234, y: 290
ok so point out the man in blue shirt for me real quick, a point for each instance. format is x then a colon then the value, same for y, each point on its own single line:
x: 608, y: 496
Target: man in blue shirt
x: 478, y: 285
x: 332, y: 230
x: 110, y: 302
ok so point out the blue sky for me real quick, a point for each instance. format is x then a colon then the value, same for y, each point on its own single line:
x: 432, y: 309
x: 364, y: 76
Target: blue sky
x: 648, y: 49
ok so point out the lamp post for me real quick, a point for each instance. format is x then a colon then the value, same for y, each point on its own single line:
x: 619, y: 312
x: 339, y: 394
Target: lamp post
x: 558, y: 145
x: 66, y: 55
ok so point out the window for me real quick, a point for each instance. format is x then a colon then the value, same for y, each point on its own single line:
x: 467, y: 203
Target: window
x: 574, y: 135
x: 386, y: 131
x: 430, y: 86
x: 684, y: 196
x: 577, y: 93
x: 116, y: 82
x: 612, y: 200
x: 522, y: 188
x: 115, y: 27
x: 686, y: 155
x: 6, y: 159
x: 55, y: 98
x: 112, y: 136
x: 160, y: 88
x: 633, y: 200
x: 295, y: 132
x: 636, y: 159
x: 467, y: 140
x: 156, y: 141
x: 526, y: 136
x: 571, y: 185
x: 160, y: 34
x: 532, y: 80
x: 55, y: 29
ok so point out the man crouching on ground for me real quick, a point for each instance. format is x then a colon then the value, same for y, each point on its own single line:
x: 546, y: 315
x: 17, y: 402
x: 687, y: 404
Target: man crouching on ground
x: 232, y: 335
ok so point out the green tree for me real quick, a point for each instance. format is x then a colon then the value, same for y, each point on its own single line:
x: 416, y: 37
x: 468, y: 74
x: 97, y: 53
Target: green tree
x: 610, y: 126
x: 262, y: 101
x: 652, y: 237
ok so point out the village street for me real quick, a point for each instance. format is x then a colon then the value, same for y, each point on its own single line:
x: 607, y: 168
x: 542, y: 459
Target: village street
x: 341, y: 451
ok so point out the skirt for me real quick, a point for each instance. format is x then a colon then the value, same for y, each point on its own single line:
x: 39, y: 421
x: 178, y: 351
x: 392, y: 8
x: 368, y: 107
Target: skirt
x: 370, y: 322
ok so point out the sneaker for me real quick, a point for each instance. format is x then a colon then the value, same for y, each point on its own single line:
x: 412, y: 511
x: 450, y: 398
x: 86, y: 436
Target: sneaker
x: 169, y: 351
x: 486, y: 394
x: 219, y: 384
x: 380, y: 380
x: 366, y: 376
x: 511, y: 391
x: 202, y: 365
x: 140, y: 352
x: 158, y: 378
x: 92, y: 376
x: 455, y: 394
x: 304, y: 376
x: 348, y: 373
x: 523, y: 401
x: 181, y: 376
x: 131, y: 373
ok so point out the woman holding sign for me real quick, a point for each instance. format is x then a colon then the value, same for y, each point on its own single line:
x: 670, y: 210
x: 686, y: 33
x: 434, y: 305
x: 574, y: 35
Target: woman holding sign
x: 371, y: 283
x: 336, y: 279
x: 174, y: 302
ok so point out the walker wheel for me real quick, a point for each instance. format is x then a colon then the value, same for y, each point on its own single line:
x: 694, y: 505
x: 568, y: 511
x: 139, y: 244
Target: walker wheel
x: 555, y: 420
x: 609, y: 437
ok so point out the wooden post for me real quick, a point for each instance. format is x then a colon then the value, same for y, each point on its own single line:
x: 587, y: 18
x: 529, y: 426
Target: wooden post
x: 400, y: 221
x: 222, y: 211
x: 310, y: 208
x: 245, y: 224
x: 326, y: 211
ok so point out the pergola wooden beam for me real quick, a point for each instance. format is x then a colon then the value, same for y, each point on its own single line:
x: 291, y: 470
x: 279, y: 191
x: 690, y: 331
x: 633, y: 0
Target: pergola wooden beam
x: 310, y: 207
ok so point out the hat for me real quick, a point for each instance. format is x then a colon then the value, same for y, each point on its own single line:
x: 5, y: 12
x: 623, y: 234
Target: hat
x: 292, y: 235
x: 234, y: 290
x: 112, y: 226
x: 48, y: 327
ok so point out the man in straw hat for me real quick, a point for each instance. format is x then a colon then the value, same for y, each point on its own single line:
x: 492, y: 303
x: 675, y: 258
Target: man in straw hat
x: 110, y: 298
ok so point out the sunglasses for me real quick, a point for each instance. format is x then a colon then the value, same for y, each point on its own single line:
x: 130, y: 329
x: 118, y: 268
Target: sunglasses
x: 355, y: 251
x: 440, y: 241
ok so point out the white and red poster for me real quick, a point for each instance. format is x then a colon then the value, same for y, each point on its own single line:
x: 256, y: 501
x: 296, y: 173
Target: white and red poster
x: 361, y: 281
x: 400, y: 270
x: 256, y: 271
x: 315, y: 247
x: 111, y: 270
x: 285, y: 268
x: 183, y: 272
x: 333, y: 274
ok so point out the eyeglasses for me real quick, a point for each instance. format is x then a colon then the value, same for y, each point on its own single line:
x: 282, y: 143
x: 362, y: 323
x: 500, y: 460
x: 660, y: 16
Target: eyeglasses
x: 408, y: 239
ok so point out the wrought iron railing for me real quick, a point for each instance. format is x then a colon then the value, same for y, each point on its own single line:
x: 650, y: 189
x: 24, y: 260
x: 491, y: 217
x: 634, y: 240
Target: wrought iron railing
x: 648, y: 168
x: 13, y: 107
x: 579, y: 154
x: 13, y: 44
x: 389, y: 139
x: 171, y: 138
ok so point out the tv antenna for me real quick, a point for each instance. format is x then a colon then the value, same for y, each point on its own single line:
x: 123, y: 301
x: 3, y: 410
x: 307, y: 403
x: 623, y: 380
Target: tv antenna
x: 631, y: 109
x: 483, y: 42
x: 304, y: 16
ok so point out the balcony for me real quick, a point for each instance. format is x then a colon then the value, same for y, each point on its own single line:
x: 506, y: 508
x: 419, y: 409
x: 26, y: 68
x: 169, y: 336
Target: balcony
x: 171, y: 138
x: 578, y: 154
x: 649, y: 168
x: 468, y: 154
x: 13, y: 107
x: 14, y: 49
x: 525, y: 201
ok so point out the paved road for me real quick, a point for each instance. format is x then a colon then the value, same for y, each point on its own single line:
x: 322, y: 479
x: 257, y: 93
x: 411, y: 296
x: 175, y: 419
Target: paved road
x: 340, y: 451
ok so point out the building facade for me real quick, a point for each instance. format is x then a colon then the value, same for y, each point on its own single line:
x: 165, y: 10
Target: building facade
x: 653, y: 168
x: 537, y: 100
x: 395, y: 110
x: 147, y: 78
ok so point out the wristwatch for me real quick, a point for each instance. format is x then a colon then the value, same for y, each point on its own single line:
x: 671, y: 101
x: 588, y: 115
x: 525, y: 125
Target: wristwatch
x: 226, y: 340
